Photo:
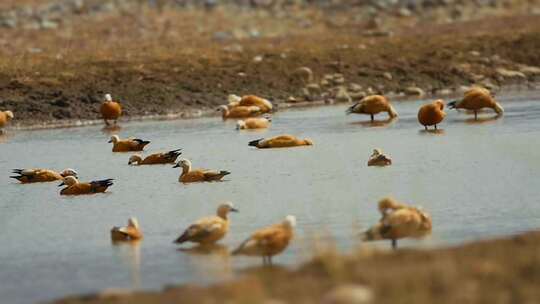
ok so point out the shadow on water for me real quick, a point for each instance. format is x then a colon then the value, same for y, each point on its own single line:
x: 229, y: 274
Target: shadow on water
x: 376, y: 123
x: 213, y: 249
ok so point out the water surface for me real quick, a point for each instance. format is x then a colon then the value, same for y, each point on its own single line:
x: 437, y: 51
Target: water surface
x: 478, y: 180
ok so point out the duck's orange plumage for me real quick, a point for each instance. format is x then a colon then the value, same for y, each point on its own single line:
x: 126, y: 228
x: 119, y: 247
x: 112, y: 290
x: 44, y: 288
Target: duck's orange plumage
x: 190, y: 175
x: 156, y: 158
x: 281, y: 141
x: 475, y: 99
x: 239, y: 112
x: 5, y: 117
x: 379, y: 159
x: 130, y: 232
x: 399, y: 221
x: 127, y: 145
x: 253, y: 123
x: 372, y: 105
x: 210, y: 229
x: 110, y: 110
x: 264, y: 105
x: 268, y: 241
x: 74, y: 187
x: 431, y: 114
x: 41, y: 175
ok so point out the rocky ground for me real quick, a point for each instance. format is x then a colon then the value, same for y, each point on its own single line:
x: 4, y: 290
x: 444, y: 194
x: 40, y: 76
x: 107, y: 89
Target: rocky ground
x: 164, y: 57
x: 497, y: 271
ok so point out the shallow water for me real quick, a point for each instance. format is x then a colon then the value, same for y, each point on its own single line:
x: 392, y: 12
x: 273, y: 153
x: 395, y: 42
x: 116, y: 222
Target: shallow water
x: 478, y: 180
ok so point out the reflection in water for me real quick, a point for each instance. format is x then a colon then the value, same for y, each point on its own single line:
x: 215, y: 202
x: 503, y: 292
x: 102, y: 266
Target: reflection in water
x: 210, y: 260
x: 130, y: 253
x: 212, y: 249
x: 375, y: 123
x: 3, y: 136
x: 110, y: 130
x: 432, y: 131
x: 482, y: 120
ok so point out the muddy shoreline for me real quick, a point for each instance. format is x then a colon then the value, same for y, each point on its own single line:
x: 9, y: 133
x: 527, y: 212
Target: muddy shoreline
x: 505, y: 270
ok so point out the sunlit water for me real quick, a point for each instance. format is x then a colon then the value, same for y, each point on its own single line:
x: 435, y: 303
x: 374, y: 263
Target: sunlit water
x: 478, y: 180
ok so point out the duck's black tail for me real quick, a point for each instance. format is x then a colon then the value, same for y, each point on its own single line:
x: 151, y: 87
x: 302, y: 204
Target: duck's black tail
x: 224, y: 173
x: 255, y: 143
x: 452, y: 104
x: 103, y: 183
x: 173, y: 154
x: 142, y: 142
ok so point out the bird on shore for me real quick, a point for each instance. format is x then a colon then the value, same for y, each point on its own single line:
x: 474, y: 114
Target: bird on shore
x: 476, y: 99
x: 130, y: 232
x: 431, y: 114
x: 208, y: 230
x: 5, y: 117
x: 26, y: 176
x: 268, y: 242
x: 190, y: 175
x: 127, y: 145
x: 239, y: 111
x: 377, y: 158
x: 264, y: 105
x: 110, y: 110
x: 74, y: 187
x: 253, y: 123
x: 281, y: 141
x: 372, y: 105
x: 155, y: 159
x: 398, y: 221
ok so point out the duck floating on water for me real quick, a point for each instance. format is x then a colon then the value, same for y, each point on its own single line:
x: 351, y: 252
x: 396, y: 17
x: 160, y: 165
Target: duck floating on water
x: 268, y: 242
x: 253, y: 123
x: 74, y: 187
x: 264, y: 105
x: 130, y: 232
x: 190, y: 175
x: 27, y: 176
x: 208, y: 230
x: 127, y: 145
x: 281, y: 141
x: 239, y: 111
x: 377, y: 158
x: 155, y: 159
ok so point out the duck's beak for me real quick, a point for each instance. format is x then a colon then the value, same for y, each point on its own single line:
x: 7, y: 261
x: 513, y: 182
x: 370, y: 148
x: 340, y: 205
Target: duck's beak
x: 176, y: 166
x: 234, y: 210
x: 110, y: 141
x: 62, y: 184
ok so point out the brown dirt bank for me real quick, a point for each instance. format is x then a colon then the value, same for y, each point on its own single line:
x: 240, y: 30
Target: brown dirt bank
x: 496, y: 271
x: 55, y: 78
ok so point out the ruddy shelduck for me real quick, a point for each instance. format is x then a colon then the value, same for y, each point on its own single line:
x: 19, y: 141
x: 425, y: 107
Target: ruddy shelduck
x: 377, y: 158
x: 5, y: 117
x: 253, y: 123
x: 268, y: 241
x: 26, y: 176
x: 475, y: 99
x: 130, y: 232
x: 431, y: 114
x: 281, y: 141
x: 372, y: 105
x: 155, y: 159
x: 250, y: 100
x: 239, y: 111
x: 127, y: 145
x: 110, y: 110
x: 190, y: 175
x: 208, y: 230
x: 399, y: 221
x: 74, y: 187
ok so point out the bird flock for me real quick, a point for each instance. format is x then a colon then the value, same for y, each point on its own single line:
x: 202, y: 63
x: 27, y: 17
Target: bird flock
x: 398, y: 220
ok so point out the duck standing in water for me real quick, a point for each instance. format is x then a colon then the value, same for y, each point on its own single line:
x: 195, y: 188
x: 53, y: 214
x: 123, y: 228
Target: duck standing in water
x: 476, y: 99
x: 110, y: 110
x: 431, y: 114
x: 372, y: 105
x: 398, y: 221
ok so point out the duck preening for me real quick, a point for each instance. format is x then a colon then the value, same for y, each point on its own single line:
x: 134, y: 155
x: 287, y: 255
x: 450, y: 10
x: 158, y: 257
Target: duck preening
x: 208, y: 230
x: 475, y: 99
x: 5, y: 117
x: 74, y: 187
x: 372, y: 105
x: 398, y: 221
x: 431, y: 114
x: 130, y: 232
x: 268, y: 242
x: 264, y: 105
x: 253, y: 123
